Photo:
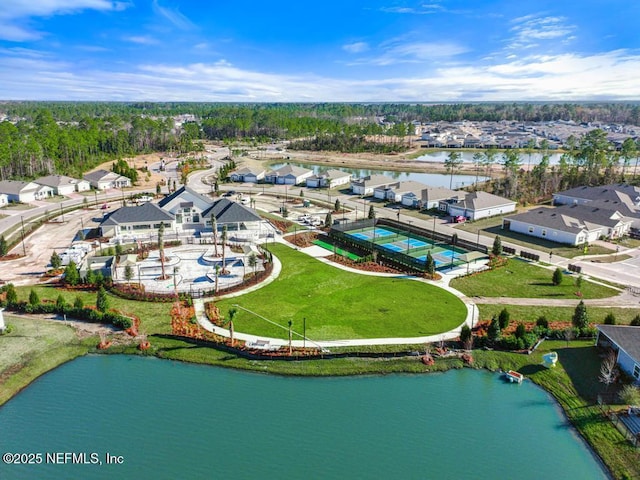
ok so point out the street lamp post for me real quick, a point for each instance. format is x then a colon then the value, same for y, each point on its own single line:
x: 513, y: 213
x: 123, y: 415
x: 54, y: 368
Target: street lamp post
x: 61, y: 212
x: 434, y: 228
x: 478, y: 241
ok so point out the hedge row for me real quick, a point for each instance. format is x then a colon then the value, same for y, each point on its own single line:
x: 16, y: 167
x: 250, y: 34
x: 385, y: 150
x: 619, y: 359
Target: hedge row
x: 86, y: 314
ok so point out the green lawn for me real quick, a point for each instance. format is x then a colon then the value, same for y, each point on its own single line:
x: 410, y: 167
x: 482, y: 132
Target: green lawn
x: 32, y: 348
x: 521, y: 313
x: 520, y: 279
x: 339, y: 304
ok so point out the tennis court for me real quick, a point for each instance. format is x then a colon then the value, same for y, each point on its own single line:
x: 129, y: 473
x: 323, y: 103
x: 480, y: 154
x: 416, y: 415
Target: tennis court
x: 410, y: 244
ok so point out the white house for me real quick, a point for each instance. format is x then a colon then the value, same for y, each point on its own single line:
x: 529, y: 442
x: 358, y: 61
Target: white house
x: 247, y: 175
x: 395, y: 192
x: 621, y: 197
x: 242, y: 223
x: 288, y: 175
x: 143, y: 219
x: 188, y: 207
x: 477, y: 205
x: 104, y: 180
x: 366, y: 185
x: 431, y: 197
x: 569, y: 224
x: 625, y: 341
x: 63, y: 185
x: 17, y: 191
x: 329, y: 179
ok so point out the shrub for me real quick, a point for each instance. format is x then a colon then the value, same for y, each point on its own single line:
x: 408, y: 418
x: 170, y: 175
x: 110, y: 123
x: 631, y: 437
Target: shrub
x: 61, y: 303
x: 520, y: 330
x: 78, y: 303
x: 580, y: 317
x: 102, y: 302
x: 504, y: 318
x: 497, y: 246
x: 636, y: 321
x: 542, y: 322
x: 610, y: 319
x: 493, y: 332
x: 71, y: 274
x: 557, y: 276
x: 465, y: 334
x: 630, y: 395
x: 34, y: 299
x: 55, y: 260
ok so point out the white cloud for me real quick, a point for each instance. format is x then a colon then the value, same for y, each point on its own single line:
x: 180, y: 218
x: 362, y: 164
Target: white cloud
x: 14, y: 14
x: 141, y: 39
x: 397, y: 51
x: 174, y: 16
x: 357, y: 47
x: 531, y: 28
x: 568, y: 77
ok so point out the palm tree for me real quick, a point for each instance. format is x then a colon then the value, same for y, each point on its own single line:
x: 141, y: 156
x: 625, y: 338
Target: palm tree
x: 224, y: 243
x: 214, y: 225
x: 253, y: 262
x: 161, y: 247
x: 232, y: 314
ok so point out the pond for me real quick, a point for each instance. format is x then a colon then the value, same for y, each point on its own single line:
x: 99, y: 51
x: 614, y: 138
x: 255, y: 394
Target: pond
x: 173, y: 420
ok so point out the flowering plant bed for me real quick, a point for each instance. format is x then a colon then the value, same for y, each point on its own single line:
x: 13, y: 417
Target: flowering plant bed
x: 364, y: 266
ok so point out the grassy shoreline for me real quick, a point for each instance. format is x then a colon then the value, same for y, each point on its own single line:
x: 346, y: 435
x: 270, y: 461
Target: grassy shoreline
x: 564, y: 383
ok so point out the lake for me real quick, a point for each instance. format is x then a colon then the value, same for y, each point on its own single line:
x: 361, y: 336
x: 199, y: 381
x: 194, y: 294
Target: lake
x: 466, y: 156
x: 172, y: 420
x: 431, y: 179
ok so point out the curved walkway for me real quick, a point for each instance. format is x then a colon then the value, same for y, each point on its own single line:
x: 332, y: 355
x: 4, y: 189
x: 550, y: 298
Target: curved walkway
x: 320, y: 254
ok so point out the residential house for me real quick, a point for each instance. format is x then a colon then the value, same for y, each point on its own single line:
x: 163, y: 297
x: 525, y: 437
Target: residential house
x: 366, y: 185
x: 621, y: 197
x: 477, y: 205
x: 395, y: 191
x: 569, y: 224
x: 143, y: 219
x: 63, y: 185
x: 431, y: 197
x: 104, y: 180
x: 18, y: 191
x: 247, y: 175
x: 188, y: 207
x: 625, y: 341
x: 288, y: 175
x: 242, y: 223
x: 329, y: 179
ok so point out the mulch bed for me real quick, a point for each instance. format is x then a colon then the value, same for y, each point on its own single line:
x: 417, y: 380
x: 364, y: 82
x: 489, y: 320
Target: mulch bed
x: 303, y: 240
x: 367, y: 266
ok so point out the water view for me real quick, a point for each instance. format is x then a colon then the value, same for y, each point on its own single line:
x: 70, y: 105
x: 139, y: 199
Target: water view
x: 467, y: 157
x: 173, y: 420
x: 431, y: 179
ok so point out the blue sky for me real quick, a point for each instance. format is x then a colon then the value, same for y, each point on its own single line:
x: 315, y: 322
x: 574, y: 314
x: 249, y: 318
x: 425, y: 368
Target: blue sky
x: 293, y: 51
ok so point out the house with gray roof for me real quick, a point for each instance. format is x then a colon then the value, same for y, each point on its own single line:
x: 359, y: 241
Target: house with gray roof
x: 330, y: 179
x: 366, y: 185
x: 63, y: 185
x: 243, y: 223
x: 621, y: 197
x: 395, y: 191
x: 625, y: 341
x: 187, y: 206
x: 477, y: 205
x: 569, y: 224
x: 247, y: 175
x: 288, y: 175
x: 431, y: 197
x: 18, y: 191
x: 104, y: 180
x: 143, y: 219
